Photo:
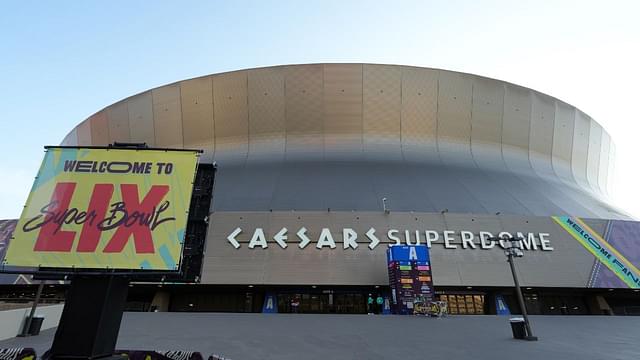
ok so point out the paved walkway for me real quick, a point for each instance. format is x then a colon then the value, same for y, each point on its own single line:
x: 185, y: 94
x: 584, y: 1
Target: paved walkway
x: 298, y: 336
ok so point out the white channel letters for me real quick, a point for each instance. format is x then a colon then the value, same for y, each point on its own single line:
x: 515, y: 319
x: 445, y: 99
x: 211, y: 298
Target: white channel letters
x: 448, y: 239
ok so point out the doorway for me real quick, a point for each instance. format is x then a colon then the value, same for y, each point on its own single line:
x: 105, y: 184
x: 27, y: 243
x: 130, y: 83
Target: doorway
x: 322, y: 302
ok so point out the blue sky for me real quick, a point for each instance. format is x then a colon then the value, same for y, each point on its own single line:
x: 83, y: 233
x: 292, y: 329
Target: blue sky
x: 62, y: 61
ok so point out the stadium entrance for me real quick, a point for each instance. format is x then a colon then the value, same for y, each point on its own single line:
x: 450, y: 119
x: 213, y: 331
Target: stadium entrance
x: 327, y: 301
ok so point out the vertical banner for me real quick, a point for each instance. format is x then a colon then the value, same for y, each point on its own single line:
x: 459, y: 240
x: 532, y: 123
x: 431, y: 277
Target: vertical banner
x: 6, y: 229
x: 95, y: 208
x: 501, y: 306
x: 386, y: 307
x: 270, y: 305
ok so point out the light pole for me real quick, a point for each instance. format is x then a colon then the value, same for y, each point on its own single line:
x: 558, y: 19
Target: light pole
x: 511, y: 250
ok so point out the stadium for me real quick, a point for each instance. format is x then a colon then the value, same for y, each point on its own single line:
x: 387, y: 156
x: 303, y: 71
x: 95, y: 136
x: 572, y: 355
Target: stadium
x: 321, y: 167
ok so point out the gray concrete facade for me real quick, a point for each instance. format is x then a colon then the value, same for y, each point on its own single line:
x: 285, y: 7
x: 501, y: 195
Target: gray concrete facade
x: 562, y: 262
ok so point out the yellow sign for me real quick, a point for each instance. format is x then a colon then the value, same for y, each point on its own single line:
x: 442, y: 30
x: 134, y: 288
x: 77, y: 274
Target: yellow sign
x: 106, y: 208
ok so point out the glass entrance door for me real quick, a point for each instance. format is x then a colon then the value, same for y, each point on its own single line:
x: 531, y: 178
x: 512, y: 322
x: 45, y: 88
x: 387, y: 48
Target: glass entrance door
x: 342, y: 303
x: 464, y: 304
x: 349, y: 303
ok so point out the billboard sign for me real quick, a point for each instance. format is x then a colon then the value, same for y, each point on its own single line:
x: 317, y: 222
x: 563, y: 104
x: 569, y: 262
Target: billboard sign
x: 97, y: 208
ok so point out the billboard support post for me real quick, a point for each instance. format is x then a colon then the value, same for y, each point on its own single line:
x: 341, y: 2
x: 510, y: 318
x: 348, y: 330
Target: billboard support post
x: 91, y: 318
x: 27, y: 323
x: 102, y: 210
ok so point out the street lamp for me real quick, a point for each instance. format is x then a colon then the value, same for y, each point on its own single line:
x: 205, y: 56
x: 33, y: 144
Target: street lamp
x: 511, y: 250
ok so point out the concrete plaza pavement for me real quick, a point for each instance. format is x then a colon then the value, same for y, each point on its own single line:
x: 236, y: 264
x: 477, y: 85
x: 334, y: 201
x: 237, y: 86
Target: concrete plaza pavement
x: 321, y: 336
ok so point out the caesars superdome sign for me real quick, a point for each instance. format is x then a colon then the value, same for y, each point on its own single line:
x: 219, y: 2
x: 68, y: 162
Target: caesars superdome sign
x: 351, y: 239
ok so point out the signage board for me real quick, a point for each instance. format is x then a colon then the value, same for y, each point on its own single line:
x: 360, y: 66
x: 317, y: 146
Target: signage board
x: 408, y: 253
x: 410, y: 279
x: 97, y: 208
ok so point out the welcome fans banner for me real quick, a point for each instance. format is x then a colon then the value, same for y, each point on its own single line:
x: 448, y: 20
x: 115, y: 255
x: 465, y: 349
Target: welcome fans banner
x: 106, y: 208
x: 603, y: 250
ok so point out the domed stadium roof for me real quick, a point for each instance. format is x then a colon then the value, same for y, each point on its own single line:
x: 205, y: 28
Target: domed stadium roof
x: 344, y: 136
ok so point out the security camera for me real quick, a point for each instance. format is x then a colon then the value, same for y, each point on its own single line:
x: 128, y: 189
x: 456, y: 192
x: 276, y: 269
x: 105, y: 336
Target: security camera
x: 384, y: 205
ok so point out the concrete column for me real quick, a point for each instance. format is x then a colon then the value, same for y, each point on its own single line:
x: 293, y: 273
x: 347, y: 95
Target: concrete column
x: 161, y: 301
x: 598, y: 305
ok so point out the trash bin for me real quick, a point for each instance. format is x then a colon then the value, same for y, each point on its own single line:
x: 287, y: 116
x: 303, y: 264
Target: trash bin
x: 517, y: 328
x: 36, y: 325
